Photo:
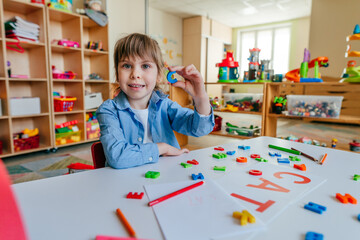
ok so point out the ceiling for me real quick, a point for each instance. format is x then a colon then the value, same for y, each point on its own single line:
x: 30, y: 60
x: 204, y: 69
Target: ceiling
x: 237, y: 13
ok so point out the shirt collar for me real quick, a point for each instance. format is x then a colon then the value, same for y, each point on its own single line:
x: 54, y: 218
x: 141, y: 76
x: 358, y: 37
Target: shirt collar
x: 122, y: 102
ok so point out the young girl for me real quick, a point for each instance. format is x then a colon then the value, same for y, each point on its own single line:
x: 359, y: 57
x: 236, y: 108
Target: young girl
x: 137, y: 125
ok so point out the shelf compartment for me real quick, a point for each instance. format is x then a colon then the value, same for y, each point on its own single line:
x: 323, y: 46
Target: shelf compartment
x: 19, y: 89
x: 72, y: 89
x: 90, y: 52
x: 40, y: 122
x: 97, y: 87
x: 5, y: 136
x: 93, y: 32
x: 96, y: 64
x: 62, y: 49
x: 27, y: 11
x: 3, y: 97
x: 342, y: 119
x: 67, y: 61
x: 2, y: 71
x: 32, y: 62
x: 71, y: 117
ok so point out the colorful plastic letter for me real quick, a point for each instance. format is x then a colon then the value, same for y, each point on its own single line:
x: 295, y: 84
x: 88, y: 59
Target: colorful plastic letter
x: 219, y: 155
x: 244, y: 147
x: 194, y: 162
x: 272, y: 154
x: 171, y: 78
x: 219, y: 149
x: 314, y: 236
x: 241, y: 159
x: 135, y: 195
x: 277, y: 154
x: 186, y: 165
x: 245, y: 217
x: 261, y: 159
x: 151, y: 174
x: 359, y: 217
x: 216, y: 168
x: 346, y: 199
x: 230, y: 152
x: 356, y: 177
x: 283, y: 160
x: 255, y: 156
x: 294, y: 158
x: 301, y: 167
x: 255, y: 172
x: 315, y: 207
x: 196, y: 177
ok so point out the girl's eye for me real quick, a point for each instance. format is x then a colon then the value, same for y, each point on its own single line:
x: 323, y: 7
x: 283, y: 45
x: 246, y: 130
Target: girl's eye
x: 125, y: 65
x: 146, y: 66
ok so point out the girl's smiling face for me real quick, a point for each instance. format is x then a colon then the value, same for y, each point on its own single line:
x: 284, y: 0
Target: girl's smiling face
x: 137, y: 79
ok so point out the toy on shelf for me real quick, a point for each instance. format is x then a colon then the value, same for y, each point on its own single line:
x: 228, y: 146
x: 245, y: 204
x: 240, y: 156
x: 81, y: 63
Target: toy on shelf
x: 218, y: 122
x: 94, y: 76
x: 301, y: 74
x: 235, y: 102
x: 8, y: 64
x: 333, y: 142
x: 354, y: 146
x: 352, y: 73
x: 68, y: 43
x: 243, y: 131
x: 214, y: 102
x: 92, y: 126
x: 27, y: 139
x: 62, y: 5
x: 95, y: 45
x: 305, y: 140
x: 259, y: 72
x: 228, y: 69
x: 57, y: 74
x: 355, y: 36
x: 63, y: 104
x: 38, y: 1
x: 67, y: 132
x: 279, y: 105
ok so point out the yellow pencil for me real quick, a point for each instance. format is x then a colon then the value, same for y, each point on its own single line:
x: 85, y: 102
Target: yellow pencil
x: 126, y: 223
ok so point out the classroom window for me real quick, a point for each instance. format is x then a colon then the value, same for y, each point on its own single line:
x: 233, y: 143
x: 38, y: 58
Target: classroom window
x: 274, y: 43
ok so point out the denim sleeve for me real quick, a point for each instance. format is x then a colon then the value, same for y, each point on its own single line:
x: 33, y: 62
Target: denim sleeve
x: 189, y: 122
x: 118, y: 151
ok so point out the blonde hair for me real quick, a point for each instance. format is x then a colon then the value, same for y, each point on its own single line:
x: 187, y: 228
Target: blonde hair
x: 139, y: 45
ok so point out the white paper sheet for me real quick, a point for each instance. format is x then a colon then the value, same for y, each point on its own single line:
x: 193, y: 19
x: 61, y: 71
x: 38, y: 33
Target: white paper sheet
x: 204, y: 212
x: 288, y: 185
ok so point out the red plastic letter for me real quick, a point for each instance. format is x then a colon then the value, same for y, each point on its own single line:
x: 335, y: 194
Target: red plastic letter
x: 306, y: 180
x: 267, y: 182
x: 262, y: 206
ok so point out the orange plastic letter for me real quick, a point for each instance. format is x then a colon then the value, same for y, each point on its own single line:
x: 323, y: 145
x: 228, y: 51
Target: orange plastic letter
x: 262, y: 206
x: 306, y: 180
x: 267, y: 182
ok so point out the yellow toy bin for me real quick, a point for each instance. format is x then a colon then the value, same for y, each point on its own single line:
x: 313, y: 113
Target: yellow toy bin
x: 69, y: 137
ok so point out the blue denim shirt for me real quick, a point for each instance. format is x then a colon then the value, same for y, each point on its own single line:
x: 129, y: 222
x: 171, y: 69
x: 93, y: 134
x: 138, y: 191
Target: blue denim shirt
x: 122, y: 133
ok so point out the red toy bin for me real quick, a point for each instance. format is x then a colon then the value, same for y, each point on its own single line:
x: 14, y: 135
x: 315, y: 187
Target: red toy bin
x: 64, y: 104
x: 218, y: 122
x: 26, y: 143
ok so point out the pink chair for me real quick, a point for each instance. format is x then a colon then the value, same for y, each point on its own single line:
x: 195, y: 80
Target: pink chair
x: 98, y: 155
x: 11, y: 225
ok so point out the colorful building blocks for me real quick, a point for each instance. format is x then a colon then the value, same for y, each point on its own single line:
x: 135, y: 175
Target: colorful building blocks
x: 135, y: 195
x: 230, y: 153
x: 194, y: 162
x: 294, y: 158
x: 219, y: 155
x: 314, y: 236
x: 244, y: 147
x: 346, y: 199
x: 356, y: 177
x: 245, y: 217
x: 152, y: 174
x: 186, y: 165
x: 261, y: 159
x: 216, y: 168
x: 315, y: 207
x: 255, y: 156
x: 219, y: 149
x: 241, y: 159
x: 283, y: 160
x: 196, y: 177
x: 301, y: 167
x: 255, y: 172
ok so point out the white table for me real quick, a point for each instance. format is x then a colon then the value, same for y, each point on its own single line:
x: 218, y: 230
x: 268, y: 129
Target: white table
x: 82, y: 205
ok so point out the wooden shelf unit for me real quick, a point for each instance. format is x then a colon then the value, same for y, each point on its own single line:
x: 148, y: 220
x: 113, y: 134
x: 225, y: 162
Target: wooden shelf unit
x: 36, y: 62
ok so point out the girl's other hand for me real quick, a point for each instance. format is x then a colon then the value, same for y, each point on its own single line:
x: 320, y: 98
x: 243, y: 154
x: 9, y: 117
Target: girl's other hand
x: 168, y: 150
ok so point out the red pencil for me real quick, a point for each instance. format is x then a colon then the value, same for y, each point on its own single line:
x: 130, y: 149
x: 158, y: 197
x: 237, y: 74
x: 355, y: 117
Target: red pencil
x: 170, y: 195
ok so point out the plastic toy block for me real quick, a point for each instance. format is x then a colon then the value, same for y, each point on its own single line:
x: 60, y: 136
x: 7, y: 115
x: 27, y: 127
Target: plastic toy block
x: 356, y: 177
x: 241, y: 159
x: 277, y: 154
x: 346, y: 199
x: 244, y: 217
x: 283, y: 160
x: 219, y: 149
x: 216, y: 168
x: 261, y: 159
x: 294, y: 158
x: 135, y: 195
x: 255, y: 172
x: 315, y: 207
x: 314, y: 236
x: 255, y: 156
x: 151, y: 174
x: 230, y: 153
x: 186, y: 165
x: 244, y: 147
x: 194, y: 162
x: 301, y: 167
x: 219, y: 155
x: 196, y: 177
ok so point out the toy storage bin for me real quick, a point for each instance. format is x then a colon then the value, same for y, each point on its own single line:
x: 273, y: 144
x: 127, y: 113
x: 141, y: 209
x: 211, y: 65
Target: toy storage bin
x: 64, y: 104
x: 246, y: 101
x: 314, y: 106
x: 68, y: 137
x: 26, y: 143
x: 92, y: 129
x: 243, y: 131
x: 218, y: 122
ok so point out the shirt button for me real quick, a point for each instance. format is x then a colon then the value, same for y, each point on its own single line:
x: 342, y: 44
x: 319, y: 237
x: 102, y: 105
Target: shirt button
x: 139, y: 139
x: 150, y: 159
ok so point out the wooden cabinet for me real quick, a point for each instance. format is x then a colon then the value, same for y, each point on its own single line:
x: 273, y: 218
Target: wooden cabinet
x: 36, y: 63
